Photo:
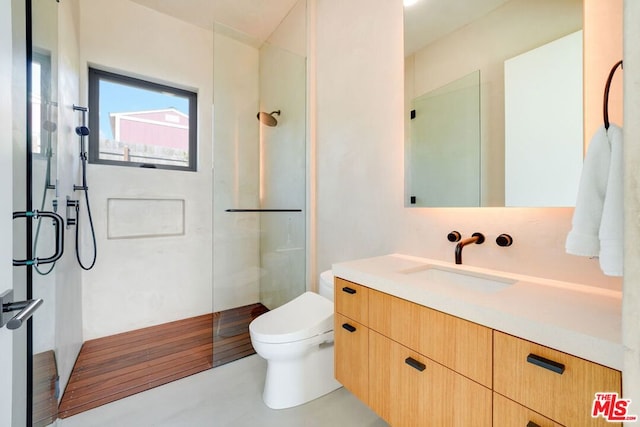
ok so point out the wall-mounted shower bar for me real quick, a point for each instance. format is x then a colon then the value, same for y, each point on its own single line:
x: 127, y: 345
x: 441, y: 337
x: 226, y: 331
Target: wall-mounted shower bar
x: 263, y: 210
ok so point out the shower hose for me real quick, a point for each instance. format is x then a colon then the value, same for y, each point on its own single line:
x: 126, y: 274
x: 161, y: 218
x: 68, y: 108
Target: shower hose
x: 93, y: 231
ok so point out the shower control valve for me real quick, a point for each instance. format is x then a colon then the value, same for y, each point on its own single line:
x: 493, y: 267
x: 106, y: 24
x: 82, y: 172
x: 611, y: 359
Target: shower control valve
x: 71, y: 206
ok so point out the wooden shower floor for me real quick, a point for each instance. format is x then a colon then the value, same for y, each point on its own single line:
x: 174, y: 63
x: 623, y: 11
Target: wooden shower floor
x: 45, y: 376
x: 111, y: 368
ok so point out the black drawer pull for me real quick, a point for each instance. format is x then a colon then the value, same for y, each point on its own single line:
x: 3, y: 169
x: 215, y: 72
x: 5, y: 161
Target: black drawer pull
x: 349, y: 290
x: 348, y: 327
x: 415, y: 364
x: 532, y: 424
x: 556, y: 367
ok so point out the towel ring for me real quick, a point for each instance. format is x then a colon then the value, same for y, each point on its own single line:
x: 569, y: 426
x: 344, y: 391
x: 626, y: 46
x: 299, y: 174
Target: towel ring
x: 605, y: 106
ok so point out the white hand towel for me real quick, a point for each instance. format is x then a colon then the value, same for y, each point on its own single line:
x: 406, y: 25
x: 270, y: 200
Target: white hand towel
x: 583, y: 238
x: 611, y: 225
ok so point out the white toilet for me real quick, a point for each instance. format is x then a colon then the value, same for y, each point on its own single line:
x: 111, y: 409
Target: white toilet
x: 296, y: 339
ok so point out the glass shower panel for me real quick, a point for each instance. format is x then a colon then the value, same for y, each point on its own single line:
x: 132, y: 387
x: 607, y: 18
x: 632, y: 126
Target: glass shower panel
x: 21, y: 338
x: 44, y: 131
x: 283, y: 173
x: 259, y: 212
x: 282, y: 253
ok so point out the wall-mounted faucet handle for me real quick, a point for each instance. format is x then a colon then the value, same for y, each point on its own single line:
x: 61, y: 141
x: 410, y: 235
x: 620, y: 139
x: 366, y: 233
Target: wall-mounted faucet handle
x: 480, y: 237
x: 504, y: 240
x: 454, y: 236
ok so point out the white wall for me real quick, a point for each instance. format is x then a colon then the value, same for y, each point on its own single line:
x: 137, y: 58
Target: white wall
x: 359, y: 128
x: 6, y: 191
x: 140, y: 282
x: 631, y: 302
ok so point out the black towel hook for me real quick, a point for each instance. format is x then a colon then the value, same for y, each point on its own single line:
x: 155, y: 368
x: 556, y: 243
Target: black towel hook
x: 605, y: 106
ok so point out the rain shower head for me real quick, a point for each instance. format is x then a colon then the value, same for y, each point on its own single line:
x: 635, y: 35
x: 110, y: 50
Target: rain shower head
x: 82, y: 131
x: 267, y: 118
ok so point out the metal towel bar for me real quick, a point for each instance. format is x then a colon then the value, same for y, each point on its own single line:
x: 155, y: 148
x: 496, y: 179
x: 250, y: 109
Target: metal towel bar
x: 607, y: 87
x: 263, y: 210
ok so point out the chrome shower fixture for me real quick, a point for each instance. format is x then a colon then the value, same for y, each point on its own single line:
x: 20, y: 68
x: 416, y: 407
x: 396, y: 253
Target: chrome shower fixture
x: 267, y: 118
x: 82, y: 131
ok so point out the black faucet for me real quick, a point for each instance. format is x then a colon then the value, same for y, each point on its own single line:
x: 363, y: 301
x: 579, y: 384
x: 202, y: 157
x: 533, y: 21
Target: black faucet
x: 454, y: 236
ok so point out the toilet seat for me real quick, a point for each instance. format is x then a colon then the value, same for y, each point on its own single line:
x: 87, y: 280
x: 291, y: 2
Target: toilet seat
x: 301, y: 318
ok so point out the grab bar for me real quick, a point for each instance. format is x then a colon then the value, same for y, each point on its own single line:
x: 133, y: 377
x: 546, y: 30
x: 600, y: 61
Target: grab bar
x: 57, y: 222
x: 263, y: 210
x: 26, y: 310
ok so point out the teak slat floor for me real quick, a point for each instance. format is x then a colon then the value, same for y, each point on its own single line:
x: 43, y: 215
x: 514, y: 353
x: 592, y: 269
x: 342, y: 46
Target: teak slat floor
x: 114, y: 367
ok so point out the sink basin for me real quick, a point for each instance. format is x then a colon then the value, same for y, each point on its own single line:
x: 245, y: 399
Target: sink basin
x: 467, y: 280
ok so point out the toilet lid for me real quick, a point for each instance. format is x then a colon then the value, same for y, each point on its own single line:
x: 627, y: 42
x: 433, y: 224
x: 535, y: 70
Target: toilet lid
x: 303, y: 317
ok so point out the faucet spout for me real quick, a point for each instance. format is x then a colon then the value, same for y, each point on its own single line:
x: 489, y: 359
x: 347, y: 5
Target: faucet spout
x: 476, y: 238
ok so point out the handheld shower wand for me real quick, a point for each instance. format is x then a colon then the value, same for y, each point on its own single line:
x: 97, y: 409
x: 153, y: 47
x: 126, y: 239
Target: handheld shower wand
x: 83, y: 131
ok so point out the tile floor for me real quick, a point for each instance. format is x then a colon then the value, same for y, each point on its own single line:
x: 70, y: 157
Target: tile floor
x: 227, y: 396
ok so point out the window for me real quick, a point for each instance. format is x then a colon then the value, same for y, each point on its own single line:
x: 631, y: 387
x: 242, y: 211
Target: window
x: 140, y: 123
x: 42, y: 119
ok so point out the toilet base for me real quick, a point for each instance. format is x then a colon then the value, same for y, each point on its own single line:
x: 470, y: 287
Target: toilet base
x: 294, y: 382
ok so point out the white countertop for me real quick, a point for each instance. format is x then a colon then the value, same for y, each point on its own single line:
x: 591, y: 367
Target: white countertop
x: 581, y: 320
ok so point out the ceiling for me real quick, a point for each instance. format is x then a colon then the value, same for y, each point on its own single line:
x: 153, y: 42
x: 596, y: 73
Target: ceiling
x: 428, y: 20
x: 252, y: 19
x: 255, y: 20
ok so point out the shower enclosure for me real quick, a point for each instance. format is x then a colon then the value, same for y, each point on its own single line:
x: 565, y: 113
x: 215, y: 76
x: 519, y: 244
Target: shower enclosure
x: 259, y: 229
x: 252, y: 253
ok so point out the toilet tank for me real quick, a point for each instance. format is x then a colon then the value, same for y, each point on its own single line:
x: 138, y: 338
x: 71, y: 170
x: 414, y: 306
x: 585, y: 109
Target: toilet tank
x: 325, y: 287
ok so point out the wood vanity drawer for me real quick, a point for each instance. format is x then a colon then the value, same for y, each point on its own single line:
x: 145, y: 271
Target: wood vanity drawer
x: 351, y: 356
x: 555, y: 384
x: 352, y: 300
x: 460, y: 345
x: 411, y: 390
x: 507, y: 413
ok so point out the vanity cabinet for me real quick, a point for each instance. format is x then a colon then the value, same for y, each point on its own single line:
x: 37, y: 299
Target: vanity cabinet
x: 352, y: 370
x: 352, y: 300
x: 507, y: 413
x: 411, y: 358
x: 462, y: 346
x: 552, y: 383
x: 408, y: 389
x: 415, y: 366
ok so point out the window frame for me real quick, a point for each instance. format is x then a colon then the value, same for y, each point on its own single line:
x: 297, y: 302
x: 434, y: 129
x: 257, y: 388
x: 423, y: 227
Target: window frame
x: 96, y: 76
x: 44, y: 60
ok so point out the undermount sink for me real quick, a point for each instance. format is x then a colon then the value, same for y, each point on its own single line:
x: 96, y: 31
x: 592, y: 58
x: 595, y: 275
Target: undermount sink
x: 468, y: 280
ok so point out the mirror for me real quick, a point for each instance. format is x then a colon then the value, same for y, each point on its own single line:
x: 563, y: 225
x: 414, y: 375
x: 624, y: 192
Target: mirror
x: 483, y: 35
x: 445, y: 145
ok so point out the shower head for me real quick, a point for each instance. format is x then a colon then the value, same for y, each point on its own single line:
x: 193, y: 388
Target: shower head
x: 267, y: 118
x: 82, y: 131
